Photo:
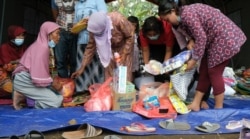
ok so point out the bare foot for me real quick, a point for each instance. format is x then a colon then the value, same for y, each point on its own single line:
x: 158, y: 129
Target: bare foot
x: 193, y: 107
x: 17, y: 99
x: 204, y: 105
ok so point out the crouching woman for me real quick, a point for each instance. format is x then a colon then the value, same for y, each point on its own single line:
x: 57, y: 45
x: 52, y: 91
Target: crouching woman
x: 32, y: 78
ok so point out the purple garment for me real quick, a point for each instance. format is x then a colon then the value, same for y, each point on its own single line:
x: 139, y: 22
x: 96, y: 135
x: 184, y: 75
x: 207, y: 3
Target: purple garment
x: 30, y: 102
x: 215, y: 34
x: 100, y: 25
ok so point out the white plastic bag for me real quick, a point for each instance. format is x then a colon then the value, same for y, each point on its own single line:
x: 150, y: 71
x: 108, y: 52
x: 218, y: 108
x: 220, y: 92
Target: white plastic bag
x: 181, y: 82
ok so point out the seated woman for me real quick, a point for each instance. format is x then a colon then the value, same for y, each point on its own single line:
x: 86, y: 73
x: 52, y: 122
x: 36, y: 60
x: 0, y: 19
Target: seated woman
x: 157, y: 42
x: 10, y: 53
x: 32, y: 77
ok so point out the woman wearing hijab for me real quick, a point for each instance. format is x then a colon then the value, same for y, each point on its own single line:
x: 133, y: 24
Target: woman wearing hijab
x: 217, y: 39
x: 10, y: 53
x: 32, y: 77
x: 94, y: 72
x: 13, y: 49
x: 109, y: 33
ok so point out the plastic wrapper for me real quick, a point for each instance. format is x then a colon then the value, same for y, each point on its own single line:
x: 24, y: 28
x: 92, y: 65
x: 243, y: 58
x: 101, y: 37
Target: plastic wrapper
x: 78, y: 27
x: 68, y: 88
x: 153, y: 67
x: 101, y: 97
x: 175, y: 62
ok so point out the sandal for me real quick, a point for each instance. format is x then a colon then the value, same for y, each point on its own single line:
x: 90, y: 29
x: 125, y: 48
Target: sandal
x: 246, y: 123
x: 84, y: 131
x: 112, y: 137
x: 34, y: 134
x: 138, y: 127
x: 207, y: 127
x: 234, y: 125
x: 172, y: 125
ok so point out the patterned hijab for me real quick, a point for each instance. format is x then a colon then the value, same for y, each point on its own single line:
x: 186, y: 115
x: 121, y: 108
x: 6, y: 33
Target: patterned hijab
x: 101, y: 25
x: 36, y: 57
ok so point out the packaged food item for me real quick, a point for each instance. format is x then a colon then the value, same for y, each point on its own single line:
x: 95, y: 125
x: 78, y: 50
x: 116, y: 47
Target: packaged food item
x: 151, y: 102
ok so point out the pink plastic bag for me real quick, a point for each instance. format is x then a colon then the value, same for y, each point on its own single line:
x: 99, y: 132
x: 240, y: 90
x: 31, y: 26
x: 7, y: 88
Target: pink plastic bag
x: 101, y: 97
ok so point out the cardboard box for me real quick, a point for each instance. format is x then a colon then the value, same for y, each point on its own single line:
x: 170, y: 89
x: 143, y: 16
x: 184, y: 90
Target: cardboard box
x: 123, y: 101
x: 120, y: 79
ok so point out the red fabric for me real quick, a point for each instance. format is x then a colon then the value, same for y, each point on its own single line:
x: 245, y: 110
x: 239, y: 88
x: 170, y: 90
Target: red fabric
x: 211, y: 76
x: 14, y: 31
x: 6, y: 101
x: 165, y: 38
x: 8, y: 50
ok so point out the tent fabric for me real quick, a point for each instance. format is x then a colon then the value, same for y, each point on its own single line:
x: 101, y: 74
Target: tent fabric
x: 13, y: 122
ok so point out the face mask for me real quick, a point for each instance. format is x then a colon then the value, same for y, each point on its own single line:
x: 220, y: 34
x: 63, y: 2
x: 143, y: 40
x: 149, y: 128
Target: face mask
x: 154, y: 37
x: 51, y: 44
x: 179, y: 19
x: 18, y: 42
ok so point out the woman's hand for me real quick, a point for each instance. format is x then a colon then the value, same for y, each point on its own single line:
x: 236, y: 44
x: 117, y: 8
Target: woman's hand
x: 77, y: 73
x: 56, y: 85
x: 191, y: 64
x: 123, y: 58
x: 190, y: 44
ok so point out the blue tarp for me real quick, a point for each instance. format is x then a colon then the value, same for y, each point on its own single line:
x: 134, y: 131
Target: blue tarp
x: 20, y: 122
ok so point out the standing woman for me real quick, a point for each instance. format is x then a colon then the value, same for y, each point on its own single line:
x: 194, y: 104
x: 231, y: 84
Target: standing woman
x: 32, y: 77
x: 217, y: 39
x: 136, y: 59
x: 94, y: 72
x: 157, y: 42
x: 109, y: 33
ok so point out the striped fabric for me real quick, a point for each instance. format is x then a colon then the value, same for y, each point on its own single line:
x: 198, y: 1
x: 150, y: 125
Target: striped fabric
x: 181, y: 82
x: 93, y: 73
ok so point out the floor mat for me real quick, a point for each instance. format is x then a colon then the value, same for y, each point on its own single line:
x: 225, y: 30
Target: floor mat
x: 20, y: 122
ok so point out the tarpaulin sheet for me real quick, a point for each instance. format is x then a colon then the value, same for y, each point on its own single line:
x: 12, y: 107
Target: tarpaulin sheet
x: 13, y: 122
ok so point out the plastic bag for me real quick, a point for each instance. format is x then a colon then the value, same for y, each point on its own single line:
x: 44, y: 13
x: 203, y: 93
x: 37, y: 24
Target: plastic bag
x: 154, y: 89
x: 165, y: 110
x: 176, y: 61
x: 181, y: 82
x: 78, y: 27
x: 68, y: 88
x: 101, y: 97
x: 153, y: 67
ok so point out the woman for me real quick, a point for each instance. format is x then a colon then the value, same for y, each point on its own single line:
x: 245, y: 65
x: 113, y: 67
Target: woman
x: 32, y: 77
x: 10, y: 53
x: 94, y: 72
x: 109, y: 33
x: 217, y: 39
x: 136, y: 61
x: 157, y: 42
x: 12, y: 50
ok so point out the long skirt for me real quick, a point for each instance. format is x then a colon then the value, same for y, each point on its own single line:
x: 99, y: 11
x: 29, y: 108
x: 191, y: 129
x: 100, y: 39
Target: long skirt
x: 93, y: 73
x: 44, y: 97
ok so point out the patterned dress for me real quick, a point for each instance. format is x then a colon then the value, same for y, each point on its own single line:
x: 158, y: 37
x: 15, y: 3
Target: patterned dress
x: 215, y: 34
x: 94, y: 72
x: 122, y: 41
